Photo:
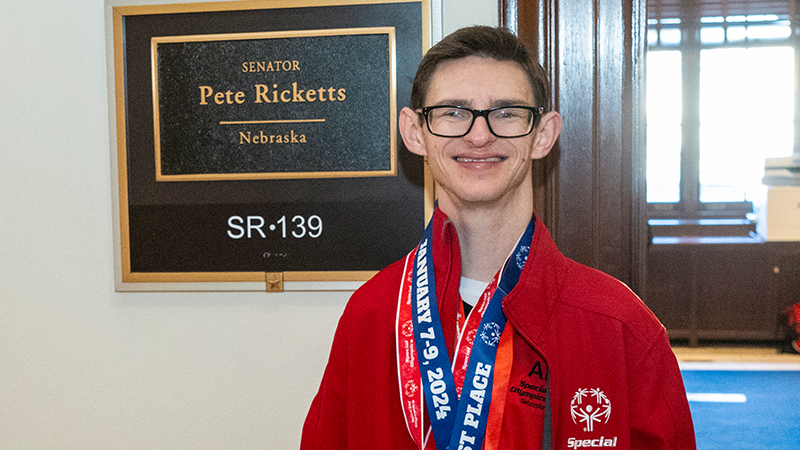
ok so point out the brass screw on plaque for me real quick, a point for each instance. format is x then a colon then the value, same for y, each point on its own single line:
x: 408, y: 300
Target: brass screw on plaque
x: 274, y: 281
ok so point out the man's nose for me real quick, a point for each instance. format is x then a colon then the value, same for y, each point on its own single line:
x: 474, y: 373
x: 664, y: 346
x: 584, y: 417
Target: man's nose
x: 480, y: 134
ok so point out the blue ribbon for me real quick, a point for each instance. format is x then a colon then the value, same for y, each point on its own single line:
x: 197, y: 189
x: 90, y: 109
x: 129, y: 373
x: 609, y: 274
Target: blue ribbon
x: 462, y: 424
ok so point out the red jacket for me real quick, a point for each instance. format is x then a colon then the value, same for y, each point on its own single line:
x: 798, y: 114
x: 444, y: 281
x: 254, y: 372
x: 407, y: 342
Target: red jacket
x: 613, y: 379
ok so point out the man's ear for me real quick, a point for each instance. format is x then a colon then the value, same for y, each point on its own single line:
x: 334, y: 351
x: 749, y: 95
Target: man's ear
x: 411, y: 130
x: 546, y: 135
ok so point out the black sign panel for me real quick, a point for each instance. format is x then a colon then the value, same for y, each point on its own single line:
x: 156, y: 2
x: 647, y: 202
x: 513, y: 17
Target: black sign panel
x: 263, y: 140
x: 317, y: 103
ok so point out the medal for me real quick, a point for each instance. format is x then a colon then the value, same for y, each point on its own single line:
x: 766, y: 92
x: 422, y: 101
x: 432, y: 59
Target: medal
x: 458, y: 395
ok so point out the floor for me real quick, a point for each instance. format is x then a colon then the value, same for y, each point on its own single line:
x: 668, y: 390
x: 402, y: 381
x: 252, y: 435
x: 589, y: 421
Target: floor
x: 735, y: 358
x: 742, y: 398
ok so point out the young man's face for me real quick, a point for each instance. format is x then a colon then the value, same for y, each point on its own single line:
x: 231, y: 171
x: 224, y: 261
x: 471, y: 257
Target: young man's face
x: 478, y: 167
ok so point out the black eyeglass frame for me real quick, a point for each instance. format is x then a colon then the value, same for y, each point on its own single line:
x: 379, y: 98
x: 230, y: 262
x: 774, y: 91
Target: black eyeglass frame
x: 536, y: 110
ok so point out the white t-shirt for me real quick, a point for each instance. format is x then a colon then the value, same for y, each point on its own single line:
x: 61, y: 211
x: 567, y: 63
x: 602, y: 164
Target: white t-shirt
x: 471, y: 290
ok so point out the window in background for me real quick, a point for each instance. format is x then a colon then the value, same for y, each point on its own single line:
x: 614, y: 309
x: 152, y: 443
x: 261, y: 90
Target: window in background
x: 664, y: 126
x: 746, y: 115
x: 720, y: 99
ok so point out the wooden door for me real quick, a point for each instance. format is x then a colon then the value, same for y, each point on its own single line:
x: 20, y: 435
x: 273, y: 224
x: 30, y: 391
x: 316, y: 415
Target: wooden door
x: 591, y: 190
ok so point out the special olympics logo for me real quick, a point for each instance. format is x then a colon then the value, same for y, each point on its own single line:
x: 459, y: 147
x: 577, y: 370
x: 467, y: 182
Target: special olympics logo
x: 410, y: 388
x: 471, y: 336
x: 589, y: 406
x: 522, y: 256
x: 408, y: 329
x: 491, y: 334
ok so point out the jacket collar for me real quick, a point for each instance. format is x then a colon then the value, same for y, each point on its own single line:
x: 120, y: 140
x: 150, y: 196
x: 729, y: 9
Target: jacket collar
x: 529, y: 306
x: 447, y: 271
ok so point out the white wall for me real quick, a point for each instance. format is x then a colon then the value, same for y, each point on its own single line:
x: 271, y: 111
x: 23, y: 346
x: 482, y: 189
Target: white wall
x: 84, y: 367
x: 462, y: 13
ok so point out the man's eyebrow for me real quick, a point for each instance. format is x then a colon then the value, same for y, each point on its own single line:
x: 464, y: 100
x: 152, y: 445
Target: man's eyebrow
x: 452, y: 102
x: 510, y: 102
x: 493, y: 104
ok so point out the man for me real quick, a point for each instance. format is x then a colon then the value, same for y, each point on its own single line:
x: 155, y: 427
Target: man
x: 547, y: 353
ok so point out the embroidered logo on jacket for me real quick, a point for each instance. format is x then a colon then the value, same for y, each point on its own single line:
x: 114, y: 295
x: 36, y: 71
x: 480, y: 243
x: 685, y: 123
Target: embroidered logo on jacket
x: 590, y: 406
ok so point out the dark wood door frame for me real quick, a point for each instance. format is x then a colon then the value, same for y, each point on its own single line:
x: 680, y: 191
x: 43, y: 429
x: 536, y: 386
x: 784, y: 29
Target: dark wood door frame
x: 591, y: 190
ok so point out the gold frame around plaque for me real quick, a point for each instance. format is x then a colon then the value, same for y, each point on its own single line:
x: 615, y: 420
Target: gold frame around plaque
x: 392, y: 171
x: 128, y: 281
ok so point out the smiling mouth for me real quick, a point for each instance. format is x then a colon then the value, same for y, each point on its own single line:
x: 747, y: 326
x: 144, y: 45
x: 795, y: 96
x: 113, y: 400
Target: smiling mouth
x: 479, y: 160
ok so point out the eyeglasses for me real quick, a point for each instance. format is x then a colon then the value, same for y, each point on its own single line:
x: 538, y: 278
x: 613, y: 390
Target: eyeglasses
x: 503, y: 122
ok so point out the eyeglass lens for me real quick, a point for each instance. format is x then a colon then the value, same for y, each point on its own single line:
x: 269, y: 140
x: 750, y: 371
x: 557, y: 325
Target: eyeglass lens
x: 503, y: 122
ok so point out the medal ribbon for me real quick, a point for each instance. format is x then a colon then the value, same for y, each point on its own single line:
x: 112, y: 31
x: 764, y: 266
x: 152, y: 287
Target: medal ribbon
x: 462, y: 424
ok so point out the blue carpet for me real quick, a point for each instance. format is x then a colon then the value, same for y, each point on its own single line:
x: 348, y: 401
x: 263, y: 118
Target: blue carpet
x: 768, y: 419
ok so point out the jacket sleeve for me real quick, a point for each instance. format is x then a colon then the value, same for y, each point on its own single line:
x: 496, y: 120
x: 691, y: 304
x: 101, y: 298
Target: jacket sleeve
x: 660, y: 416
x: 325, y: 425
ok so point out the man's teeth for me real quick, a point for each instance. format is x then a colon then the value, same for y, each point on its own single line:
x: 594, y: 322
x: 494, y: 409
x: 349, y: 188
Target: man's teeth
x: 493, y: 159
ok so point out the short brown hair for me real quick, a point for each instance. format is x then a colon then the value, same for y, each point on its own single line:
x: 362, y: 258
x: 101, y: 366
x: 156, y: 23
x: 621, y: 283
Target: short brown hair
x: 496, y: 43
